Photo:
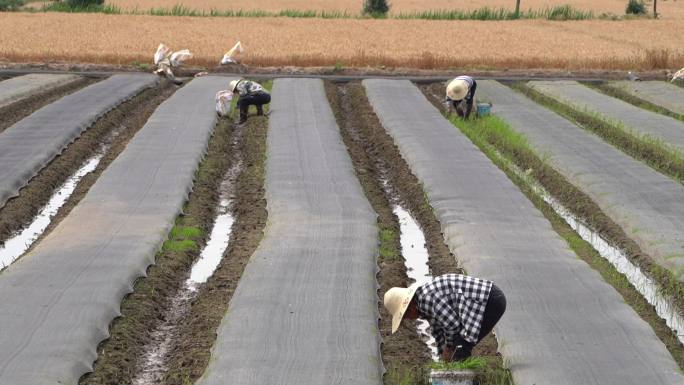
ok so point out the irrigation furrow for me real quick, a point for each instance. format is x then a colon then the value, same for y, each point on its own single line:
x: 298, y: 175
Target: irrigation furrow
x: 646, y: 205
x: 558, y: 305
x: 32, y: 143
x: 397, y: 196
x: 58, y: 300
x: 657, y: 96
x: 107, y: 137
x: 635, y: 120
x: 165, y: 337
x: 32, y: 94
x: 577, y: 219
x: 305, y: 309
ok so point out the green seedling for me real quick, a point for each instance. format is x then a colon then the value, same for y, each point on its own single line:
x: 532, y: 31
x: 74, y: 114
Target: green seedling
x: 470, y: 363
x: 179, y: 246
x: 180, y: 232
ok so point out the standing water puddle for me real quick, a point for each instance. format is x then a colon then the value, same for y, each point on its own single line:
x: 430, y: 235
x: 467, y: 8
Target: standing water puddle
x: 154, y: 363
x: 643, y: 284
x: 416, y: 258
x: 16, y: 246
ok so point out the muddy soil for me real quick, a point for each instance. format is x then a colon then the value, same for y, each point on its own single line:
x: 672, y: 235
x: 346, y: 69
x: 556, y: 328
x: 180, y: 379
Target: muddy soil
x: 144, y: 310
x: 17, y: 111
x: 197, y: 331
x: 376, y: 160
x: 128, y: 117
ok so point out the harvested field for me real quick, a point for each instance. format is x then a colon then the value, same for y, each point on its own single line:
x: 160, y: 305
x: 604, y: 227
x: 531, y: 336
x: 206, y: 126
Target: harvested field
x: 124, y: 39
x: 668, y: 9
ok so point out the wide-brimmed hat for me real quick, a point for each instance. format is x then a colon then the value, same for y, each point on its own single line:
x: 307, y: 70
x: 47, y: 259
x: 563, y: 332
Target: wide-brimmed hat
x: 457, y: 89
x: 397, y: 300
x: 233, y: 84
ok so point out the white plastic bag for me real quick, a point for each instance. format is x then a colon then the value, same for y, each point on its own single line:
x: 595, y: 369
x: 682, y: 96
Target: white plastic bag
x: 233, y: 56
x: 162, y: 52
x: 177, y: 58
x: 223, y: 101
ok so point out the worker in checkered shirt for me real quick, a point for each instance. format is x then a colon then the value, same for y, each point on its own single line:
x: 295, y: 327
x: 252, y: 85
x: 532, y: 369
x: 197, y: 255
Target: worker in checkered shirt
x: 461, y: 310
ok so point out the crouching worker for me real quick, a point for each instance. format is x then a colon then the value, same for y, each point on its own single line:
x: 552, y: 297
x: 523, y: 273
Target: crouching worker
x: 461, y: 310
x: 460, y: 96
x: 250, y: 94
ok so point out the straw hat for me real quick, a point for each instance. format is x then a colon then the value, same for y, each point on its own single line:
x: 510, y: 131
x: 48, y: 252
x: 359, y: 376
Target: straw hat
x: 457, y: 89
x: 233, y: 84
x: 397, y: 300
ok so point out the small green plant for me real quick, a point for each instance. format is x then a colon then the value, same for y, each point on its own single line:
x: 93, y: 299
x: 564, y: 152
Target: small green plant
x: 387, y: 240
x: 406, y: 376
x: 179, y: 232
x: 338, y: 67
x: 180, y: 246
x: 375, y: 8
x: 470, y: 363
x: 636, y: 7
x: 10, y: 5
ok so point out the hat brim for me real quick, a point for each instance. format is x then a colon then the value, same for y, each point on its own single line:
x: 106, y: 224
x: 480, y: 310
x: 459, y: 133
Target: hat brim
x: 397, y: 317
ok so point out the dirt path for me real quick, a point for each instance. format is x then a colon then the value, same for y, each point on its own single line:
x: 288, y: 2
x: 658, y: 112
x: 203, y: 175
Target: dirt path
x: 378, y: 162
x: 113, y: 130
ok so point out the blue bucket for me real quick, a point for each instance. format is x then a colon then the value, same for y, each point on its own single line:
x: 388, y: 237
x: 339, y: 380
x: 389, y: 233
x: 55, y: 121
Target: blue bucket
x: 483, y: 109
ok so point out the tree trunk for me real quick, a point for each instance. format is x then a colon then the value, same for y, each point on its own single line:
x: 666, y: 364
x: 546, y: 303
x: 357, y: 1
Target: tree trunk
x: 517, y: 8
x: 655, y: 9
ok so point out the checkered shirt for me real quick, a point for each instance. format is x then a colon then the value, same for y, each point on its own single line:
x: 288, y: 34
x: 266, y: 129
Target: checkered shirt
x: 454, y: 305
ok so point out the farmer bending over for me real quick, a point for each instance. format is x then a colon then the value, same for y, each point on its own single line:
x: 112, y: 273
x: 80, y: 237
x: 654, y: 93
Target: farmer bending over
x: 251, y: 93
x: 460, y: 95
x: 461, y: 310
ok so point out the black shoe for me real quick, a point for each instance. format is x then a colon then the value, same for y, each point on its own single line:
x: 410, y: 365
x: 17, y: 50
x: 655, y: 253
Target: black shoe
x: 462, y: 352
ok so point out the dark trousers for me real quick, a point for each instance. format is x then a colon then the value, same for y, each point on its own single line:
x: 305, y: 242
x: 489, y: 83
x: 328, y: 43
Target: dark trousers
x: 257, y: 99
x: 495, y: 308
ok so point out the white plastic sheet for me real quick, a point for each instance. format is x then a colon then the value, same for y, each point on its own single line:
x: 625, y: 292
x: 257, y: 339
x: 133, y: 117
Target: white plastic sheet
x: 223, y: 102
x: 233, y: 56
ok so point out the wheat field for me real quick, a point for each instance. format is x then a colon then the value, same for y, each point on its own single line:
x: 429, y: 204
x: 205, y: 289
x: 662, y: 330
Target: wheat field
x: 521, y: 44
x: 669, y: 9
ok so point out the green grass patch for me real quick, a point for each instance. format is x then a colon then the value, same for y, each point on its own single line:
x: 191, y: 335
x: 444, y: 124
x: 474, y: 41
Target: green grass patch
x: 506, y: 148
x: 652, y: 151
x: 180, y: 232
x: 388, y: 240
x: 470, y: 363
x: 618, y: 93
x: 179, y: 246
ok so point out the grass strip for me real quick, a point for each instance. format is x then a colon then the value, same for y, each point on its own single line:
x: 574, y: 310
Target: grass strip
x: 652, y: 151
x: 560, y: 13
x: 636, y: 101
x: 506, y: 147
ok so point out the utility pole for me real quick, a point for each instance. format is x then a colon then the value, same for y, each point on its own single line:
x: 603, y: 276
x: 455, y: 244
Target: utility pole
x: 517, y: 8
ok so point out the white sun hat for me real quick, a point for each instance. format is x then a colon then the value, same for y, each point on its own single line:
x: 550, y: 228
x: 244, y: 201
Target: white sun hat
x: 457, y: 89
x: 397, y: 300
x: 233, y: 84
